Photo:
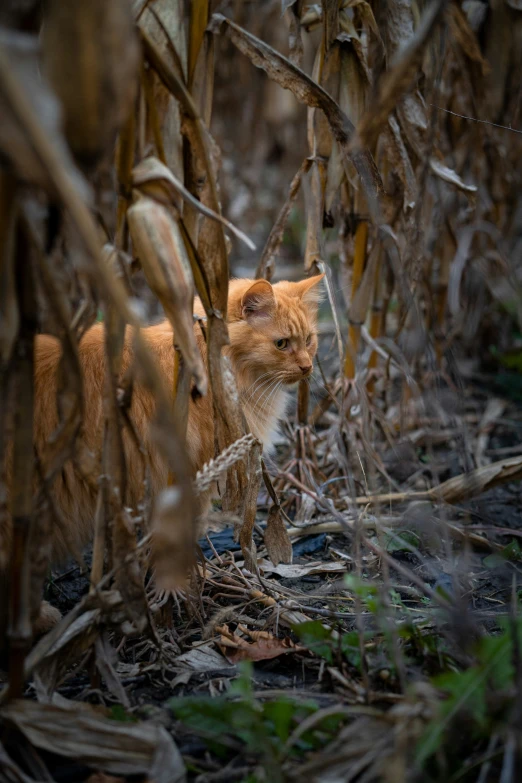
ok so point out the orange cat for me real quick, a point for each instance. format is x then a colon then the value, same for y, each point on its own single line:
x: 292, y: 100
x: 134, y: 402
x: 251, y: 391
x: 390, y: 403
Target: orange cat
x: 272, y: 345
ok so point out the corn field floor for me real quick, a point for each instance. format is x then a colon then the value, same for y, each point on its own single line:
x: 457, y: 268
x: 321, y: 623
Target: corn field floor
x: 353, y: 673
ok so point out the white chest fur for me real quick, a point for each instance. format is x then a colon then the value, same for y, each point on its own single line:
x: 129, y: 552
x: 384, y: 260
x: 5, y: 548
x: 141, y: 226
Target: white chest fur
x: 263, y: 417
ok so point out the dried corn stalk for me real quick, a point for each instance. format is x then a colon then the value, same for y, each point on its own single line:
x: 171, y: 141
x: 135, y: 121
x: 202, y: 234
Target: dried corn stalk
x: 90, y: 54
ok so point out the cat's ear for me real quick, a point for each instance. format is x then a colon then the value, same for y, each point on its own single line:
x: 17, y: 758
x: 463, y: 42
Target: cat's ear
x: 308, y: 291
x: 258, y: 301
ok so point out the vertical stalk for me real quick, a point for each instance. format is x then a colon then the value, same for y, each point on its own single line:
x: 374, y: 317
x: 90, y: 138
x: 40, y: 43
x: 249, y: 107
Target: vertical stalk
x: 375, y: 319
x: 442, y: 296
x: 153, y: 120
x: 20, y: 631
x: 124, y: 163
x: 354, y: 329
x: 8, y: 332
x: 198, y: 25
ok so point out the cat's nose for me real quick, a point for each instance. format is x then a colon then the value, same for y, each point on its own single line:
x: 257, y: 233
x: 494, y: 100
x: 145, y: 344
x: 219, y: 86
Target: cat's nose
x: 305, y: 370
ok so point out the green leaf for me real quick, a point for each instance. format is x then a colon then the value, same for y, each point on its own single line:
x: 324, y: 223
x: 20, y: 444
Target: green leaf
x: 119, y: 713
x: 350, y: 648
x: 316, y: 637
x: 402, y: 542
x: 511, y: 553
x: 281, y: 714
x: 467, y: 691
x: 360, y: 587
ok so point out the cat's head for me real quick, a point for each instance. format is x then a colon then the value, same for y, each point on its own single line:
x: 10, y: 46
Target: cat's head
x: 273, y: 328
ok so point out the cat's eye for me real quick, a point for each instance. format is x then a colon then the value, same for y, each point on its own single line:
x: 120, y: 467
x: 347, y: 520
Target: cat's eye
x: 281, y: 344
x: 309, y: 339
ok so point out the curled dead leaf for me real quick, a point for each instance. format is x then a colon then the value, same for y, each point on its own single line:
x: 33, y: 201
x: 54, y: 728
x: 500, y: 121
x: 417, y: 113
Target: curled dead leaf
x: 264, y: 646
x: 152, y: 178
x: 450, y: 176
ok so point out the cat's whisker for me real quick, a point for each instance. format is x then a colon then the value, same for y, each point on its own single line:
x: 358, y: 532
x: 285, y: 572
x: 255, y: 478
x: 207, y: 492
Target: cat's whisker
x: 264, y: 398
x: 269, y: 398
x: 265, y: 407
x: 255, y: 387
x: 259, y: 387
x: 257, y: 394
x: 256, y: 381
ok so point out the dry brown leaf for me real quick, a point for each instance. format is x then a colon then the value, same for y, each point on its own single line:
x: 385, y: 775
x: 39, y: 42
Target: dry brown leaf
x: 397, y: 81
x: 330, y: 21
x: 361, y: 299
x: 450, y: 176
x: 365, y: 13
x: 263, y: 647
x: 152, y: 178
x: 401, y: 163
x: 105, y: 659
x: 297, y: 570
x: 100, y: 743
x: 198, y: 24
x: 307, y: 91
x: 286, y: 4
x: 458, y: 488
x: 203, y: 658
x: 464, y: 35
x: 276, y: 538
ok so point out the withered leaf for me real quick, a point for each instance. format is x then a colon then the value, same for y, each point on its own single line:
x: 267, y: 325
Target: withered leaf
x: 113, y: 746
x: 307, y: 91
x: 264, y: 646
x: 276, y: 538
x: 152, y: 178
x: 399, y: 78
x: 448, y: 175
